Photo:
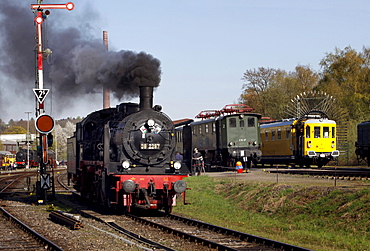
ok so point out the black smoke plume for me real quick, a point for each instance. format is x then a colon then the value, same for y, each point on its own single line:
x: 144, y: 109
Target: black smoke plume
x: 79, y: 63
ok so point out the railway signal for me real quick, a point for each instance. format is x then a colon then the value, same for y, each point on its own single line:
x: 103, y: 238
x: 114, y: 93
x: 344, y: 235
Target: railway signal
x: 44, y: 123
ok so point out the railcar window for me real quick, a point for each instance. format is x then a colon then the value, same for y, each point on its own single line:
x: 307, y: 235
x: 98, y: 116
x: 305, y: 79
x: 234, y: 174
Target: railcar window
x: 200, y: 130
x: 287, y: 133
x: 213, y: 127
x: 207, y: 128
x: 326, y: 132
x: 267, y: 135
x: 333, y: 132
x: 279, y: 135
x: 251, y: 122
x: 232, y: 122
x: 317, y: 132
x: 308, y: 132
x: 241, y: 123
x: 272, y: 135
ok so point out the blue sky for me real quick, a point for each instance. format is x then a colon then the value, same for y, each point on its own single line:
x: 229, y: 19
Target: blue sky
x: 205, y: 46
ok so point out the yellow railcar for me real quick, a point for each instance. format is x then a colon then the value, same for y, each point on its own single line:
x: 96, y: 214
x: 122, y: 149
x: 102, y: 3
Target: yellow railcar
x: 307, y: 141
x: 7, y: 160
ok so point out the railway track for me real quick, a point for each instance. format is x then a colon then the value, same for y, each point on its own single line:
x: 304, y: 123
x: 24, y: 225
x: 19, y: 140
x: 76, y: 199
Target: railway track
x: 202, y: 233
x: 338, y: 173
x: 18, y: 236
x: 213, y: 236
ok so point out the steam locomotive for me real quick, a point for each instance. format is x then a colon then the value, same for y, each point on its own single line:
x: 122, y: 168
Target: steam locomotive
x: 21, y: 158
x: 363, y: 142
x: 123, y: 157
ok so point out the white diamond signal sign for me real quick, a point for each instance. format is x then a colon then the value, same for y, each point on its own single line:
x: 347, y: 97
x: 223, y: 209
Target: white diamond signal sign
x: 41, y: 94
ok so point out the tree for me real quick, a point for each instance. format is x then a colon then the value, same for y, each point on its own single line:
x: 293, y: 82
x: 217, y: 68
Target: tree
x: 60, y: 138
x: 346, y: 76
x: 270, y: 90
x: 256, y: 86
x: 15, y: 130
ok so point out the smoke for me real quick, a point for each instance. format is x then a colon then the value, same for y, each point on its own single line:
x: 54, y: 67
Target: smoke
x: 79, y: 64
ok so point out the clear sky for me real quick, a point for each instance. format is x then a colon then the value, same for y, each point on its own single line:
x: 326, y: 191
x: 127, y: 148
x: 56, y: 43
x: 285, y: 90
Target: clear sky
x: 204, y: 46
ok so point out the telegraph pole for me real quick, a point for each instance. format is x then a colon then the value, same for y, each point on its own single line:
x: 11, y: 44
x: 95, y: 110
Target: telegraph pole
x: 44, y: 123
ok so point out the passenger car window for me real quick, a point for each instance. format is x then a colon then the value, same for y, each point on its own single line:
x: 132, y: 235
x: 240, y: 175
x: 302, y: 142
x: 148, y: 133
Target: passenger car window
x: 287, y: 133
x: 317, y: 132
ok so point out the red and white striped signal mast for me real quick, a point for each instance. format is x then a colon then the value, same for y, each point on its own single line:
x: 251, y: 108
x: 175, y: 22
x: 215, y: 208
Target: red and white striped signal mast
x: 44, y: 123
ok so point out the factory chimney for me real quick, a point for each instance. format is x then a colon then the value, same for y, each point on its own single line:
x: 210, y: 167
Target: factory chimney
x: 106, y: 90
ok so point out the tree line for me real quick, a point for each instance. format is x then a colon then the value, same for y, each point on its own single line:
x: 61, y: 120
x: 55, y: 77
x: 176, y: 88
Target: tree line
x: 344, y: 74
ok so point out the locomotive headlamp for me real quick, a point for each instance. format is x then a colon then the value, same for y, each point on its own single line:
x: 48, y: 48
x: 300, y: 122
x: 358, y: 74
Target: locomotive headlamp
x: 177, y: 165
x: 150, y: 122
x: 126, y: 164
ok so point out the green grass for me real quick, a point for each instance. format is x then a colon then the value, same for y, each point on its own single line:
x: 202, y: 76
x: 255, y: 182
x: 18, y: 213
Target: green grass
x: 318, y: 218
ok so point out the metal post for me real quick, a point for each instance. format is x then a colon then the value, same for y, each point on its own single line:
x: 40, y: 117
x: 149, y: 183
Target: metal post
x: 28, y: 139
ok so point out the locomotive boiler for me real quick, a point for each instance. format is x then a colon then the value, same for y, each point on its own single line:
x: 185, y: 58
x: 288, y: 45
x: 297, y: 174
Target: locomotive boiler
x: 124, y: 157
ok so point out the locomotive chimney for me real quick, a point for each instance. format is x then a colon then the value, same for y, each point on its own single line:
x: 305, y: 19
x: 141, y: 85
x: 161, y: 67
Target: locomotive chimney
x: 106, y: 90
x: 146, y: 97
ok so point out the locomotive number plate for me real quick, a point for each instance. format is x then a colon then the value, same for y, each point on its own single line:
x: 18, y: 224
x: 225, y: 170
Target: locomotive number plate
x: 150, y: 146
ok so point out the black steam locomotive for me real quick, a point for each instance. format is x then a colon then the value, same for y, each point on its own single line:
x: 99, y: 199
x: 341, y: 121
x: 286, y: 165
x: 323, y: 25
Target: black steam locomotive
x: 124, y: 157
x: 21, y: 158
x: 363, y: 142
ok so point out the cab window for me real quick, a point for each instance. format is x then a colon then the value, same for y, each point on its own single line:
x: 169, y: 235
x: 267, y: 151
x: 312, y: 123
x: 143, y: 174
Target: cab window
x: 326, y: 132
x: 317, y: 132
x: 308, y: 132
x: 333, y: 132
x: 232, y: 122
x: 250, y: 122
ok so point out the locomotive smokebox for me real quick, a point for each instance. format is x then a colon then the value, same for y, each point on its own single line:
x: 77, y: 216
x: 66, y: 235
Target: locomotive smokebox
x: 146, y: 97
